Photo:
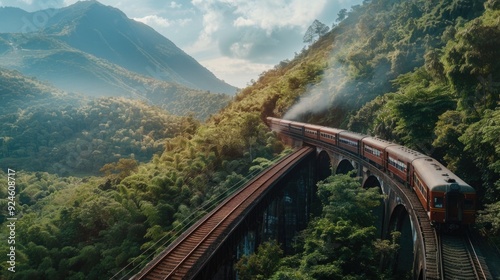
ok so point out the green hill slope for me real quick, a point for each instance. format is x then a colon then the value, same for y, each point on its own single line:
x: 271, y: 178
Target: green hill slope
x: 45, y: 129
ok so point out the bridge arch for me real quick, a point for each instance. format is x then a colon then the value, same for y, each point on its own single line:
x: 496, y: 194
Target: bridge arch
x: 344, y: 167
x: 400, y: 221
x: 324, y: 166
x: 378, y: 211
x: 372, y: 181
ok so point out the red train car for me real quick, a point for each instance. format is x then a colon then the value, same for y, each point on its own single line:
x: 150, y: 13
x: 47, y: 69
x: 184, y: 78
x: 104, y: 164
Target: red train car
x: 329, y: 135
x: 351, y: 141
x: 274, y: 124
x: 297, y: 128
x: 398, y: 161
x: 447, y: 198
x: 312, y: 131
x: 373, y: 149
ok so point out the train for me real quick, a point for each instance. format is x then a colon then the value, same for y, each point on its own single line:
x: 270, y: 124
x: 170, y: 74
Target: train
x: 449, y: 201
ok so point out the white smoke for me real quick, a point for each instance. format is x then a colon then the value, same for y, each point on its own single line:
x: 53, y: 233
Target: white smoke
x: 338, y: 88
x: 321, y: 96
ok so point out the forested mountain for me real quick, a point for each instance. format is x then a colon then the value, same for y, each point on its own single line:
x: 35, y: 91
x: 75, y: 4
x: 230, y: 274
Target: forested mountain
x: 45, y: 129
x: 91, y: 44
x: 415, y: 72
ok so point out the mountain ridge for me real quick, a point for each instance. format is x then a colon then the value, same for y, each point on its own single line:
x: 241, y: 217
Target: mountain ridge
x: 107, y: 33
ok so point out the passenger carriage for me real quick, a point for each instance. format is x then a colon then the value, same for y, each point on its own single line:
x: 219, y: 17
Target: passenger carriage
x: 312, y: 131
x: 446, y: 198
x: 399, y: 161
x: 329, y: 135
x: 373, y: 149
x: 350, y: 141
x: 297, y: 128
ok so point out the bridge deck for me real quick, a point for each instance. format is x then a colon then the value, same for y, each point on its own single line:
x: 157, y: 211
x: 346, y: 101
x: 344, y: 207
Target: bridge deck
x: 188, y: 254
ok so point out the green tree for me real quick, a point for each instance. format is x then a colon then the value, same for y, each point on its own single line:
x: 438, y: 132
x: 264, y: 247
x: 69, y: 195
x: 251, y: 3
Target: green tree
x: 315, y: 30
x: 470, y: 63
x: 262, y: 264
x: 414, y: 110
x: 342, y: 14
x: 481, y: 141
x: 340, y: 244
x: 123, y: 168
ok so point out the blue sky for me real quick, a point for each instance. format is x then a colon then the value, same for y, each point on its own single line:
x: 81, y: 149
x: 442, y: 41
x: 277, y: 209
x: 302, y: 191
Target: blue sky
x: 235, y: 39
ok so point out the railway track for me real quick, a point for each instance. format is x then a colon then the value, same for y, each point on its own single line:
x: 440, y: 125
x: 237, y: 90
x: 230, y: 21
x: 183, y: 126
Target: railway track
x: 459, y: 259
x: 186, y: 255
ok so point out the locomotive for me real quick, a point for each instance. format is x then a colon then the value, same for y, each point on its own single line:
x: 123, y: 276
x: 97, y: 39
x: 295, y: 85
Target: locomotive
x: 447, y: 199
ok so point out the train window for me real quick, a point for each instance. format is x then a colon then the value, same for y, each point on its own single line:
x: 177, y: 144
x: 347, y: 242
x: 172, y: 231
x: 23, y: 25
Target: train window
x: 419, y: 185
x: 438, y: 202
x: 348, y: 141
x: 313, y: 132
x: 372, y: 151
x: 398, y: 164
x: 328, y: 136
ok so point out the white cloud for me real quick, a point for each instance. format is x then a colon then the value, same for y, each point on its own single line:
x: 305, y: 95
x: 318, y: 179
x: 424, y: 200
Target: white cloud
x: 272, y: 14
x: 154, y: 21
x: 212, y: 20
x: 240, y: 22
x: 175, y: 5
x: 241, y: 49
x: 237, y: 72
x: 253, y: 29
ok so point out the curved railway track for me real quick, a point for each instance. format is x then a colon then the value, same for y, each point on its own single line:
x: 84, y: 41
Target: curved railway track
x: 459, y: 260
x: 186, y: 256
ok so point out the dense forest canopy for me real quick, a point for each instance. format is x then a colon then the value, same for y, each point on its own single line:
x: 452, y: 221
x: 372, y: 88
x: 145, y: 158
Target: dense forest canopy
x: 418, y: 73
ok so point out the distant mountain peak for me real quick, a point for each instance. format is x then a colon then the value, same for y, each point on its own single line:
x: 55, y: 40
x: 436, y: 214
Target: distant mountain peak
x: 107, y: 33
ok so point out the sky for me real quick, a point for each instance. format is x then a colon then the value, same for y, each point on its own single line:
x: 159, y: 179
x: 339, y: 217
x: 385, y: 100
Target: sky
x: 235, y: 39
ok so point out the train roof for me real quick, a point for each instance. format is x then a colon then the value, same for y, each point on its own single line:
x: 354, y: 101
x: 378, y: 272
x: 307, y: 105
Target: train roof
x: 353, y: 135
x: 377, y: 142
x: 331, y: 130
x: 437, y: 177
x: 313, y: 126
x: 404, y: 153
x: 298, y: 123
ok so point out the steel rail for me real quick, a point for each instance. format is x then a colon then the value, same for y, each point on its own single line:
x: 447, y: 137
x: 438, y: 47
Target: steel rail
x: 478, y: 268
x: 459, y: 259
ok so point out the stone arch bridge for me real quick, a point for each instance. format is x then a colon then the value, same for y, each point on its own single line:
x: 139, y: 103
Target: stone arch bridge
x: 283, y: 209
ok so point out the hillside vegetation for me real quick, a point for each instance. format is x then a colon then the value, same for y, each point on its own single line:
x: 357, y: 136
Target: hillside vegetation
x: 45, y: 129
x: 413, y: 72
x: 73, y: 70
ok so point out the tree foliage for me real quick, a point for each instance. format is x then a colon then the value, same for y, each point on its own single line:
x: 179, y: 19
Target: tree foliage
x: 339, y: 244
x: 315, y: 30
x: 447, y: 108
x: 69, y: 138
x: 260, y: 265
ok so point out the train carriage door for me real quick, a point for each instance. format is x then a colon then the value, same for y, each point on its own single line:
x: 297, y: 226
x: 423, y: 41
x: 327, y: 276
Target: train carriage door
x: 454, y: 203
